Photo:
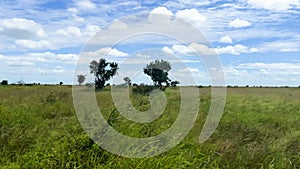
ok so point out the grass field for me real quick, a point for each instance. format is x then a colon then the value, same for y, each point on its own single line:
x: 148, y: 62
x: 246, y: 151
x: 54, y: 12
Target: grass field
x: 260, y: 128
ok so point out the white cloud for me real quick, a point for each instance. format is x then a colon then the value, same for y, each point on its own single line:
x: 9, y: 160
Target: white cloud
x: 235, y: 71
x: 182, y: 49
x: 70, y: 31
x: 276, y: 5
x: 115, y: 52
x: 188, y: 50
x: 72, y: 10
x: 33, y: 62
x: 258, y: 73
x: 290, y: 45
x: 66, y: 57
x: 189, y: 70
x: 191, y: 15
x: 91, y: 30
x: 110, y: 52
x: 235, y: 50
x: 33, y: 44
x: 237, y: 23
x: 117, y: 25
x: 85, y: 4
x: 225, y: 39
x: 51, y: 57
x: 77, y: 18
x: 160, y: 15
x: 20, y: 28
x: 168, y: 50
x: 268, y: 66
x: 20, y: 64
x: 202, y: 49
x: 205, y: 50
x: 180, y: 4
x: 162, y: 10
x: 178, y: 49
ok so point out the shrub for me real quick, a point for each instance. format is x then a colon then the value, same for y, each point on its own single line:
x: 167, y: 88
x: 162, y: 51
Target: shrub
x: 143, y: 89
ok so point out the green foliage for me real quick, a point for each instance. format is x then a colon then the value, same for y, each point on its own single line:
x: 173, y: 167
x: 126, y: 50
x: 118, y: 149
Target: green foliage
x: 80, y: 79
x: 158, y: 71
x: 174, y: 83
x: 4, y: 82
x: 143, y: 89
x: 101, y: 73
x: 127, y: 81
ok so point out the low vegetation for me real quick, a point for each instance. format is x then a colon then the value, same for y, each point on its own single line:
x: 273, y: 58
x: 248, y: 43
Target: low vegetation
x: 260, y: 129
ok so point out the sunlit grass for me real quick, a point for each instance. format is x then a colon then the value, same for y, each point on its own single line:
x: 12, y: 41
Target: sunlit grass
x: 260, y: 129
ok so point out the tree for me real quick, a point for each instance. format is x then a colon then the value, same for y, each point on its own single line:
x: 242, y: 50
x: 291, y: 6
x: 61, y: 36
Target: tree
x: 158, y: 71
x: 4, y: 82
x: 80, y: 79
x: 20, y: 82
x: 101, y: 73
x: 174, y: 83
x: 127, y: 81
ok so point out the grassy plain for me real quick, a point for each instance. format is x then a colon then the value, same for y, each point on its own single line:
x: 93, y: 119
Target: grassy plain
x: 260, y: 128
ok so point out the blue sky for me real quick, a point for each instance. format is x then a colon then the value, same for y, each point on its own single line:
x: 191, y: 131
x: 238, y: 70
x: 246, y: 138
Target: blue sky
x: 258, y: 42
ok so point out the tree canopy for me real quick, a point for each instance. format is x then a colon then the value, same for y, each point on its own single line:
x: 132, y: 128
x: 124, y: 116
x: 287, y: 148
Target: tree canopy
x: 158, y: 71
x: 80, y: 79
x: 101, y: 72
x: 127, y: 80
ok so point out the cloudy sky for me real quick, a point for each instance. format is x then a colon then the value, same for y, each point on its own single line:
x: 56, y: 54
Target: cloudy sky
x: 257, y: 42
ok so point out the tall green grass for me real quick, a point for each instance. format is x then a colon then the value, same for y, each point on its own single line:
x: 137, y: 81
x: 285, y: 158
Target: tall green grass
x: 260, y: 129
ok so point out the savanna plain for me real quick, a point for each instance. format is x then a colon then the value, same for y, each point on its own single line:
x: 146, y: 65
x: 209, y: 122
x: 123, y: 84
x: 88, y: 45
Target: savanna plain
x: 260, y: 128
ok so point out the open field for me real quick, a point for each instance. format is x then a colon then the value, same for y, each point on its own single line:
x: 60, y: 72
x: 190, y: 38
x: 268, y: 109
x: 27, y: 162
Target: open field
x: 260, y: 128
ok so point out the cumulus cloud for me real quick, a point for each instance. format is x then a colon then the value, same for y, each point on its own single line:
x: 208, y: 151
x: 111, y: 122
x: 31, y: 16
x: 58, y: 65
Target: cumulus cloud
x: 21, y: 28
x: 162, y: 10
x: 237, y: 23
x: 110, y: 52
x: 85, y: 4
x: 178, y: 49
x: 202, y: 49
x: 29, y: 44
x: 160, y: 15
x: 225, y: 39
x: 117, y: 25
x: 182, y: 49
x: 168, y: 50
x: 235, y: 50
x: 91, y: 30
x: 191, y: 15
x: 70, y: 31
x: 188, y: 50
x: 276, y: 5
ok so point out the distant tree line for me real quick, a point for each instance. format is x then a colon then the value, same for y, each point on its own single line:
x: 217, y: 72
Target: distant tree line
x: 22, y: 83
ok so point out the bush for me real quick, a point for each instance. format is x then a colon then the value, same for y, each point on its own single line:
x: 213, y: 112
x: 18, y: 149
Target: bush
x: 143, y: 89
